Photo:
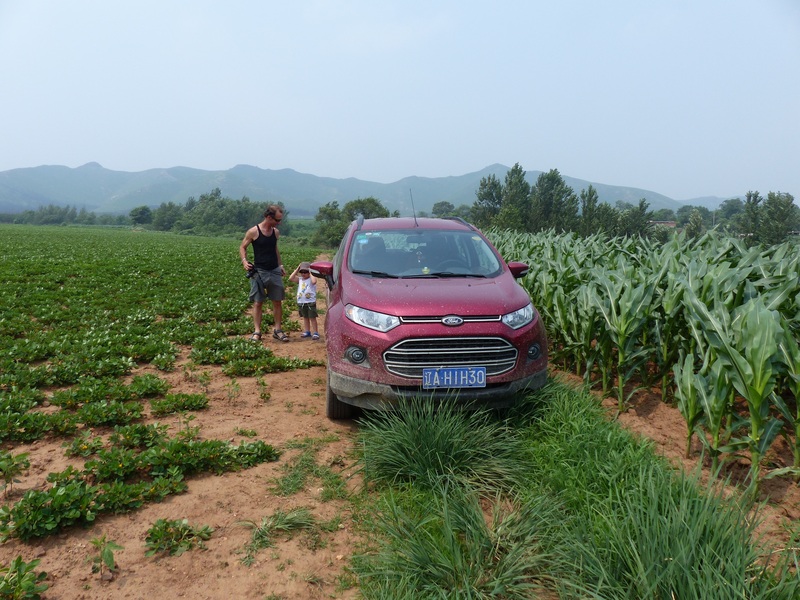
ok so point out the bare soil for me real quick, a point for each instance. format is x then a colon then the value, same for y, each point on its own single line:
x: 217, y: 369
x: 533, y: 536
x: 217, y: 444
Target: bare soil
x: 297, y: 567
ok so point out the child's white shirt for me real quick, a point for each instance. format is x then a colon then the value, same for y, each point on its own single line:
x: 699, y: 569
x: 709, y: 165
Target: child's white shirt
x: 306, y: 291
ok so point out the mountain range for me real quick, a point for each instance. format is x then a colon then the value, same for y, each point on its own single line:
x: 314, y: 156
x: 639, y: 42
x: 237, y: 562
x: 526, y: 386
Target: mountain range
x: 102, y: 190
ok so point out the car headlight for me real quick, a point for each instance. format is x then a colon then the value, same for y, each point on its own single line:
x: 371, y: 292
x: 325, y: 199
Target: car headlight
x: 371, y: 319
x: 519, y: 318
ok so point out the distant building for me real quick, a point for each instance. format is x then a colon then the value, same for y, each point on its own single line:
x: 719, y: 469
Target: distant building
x: 670, y: 224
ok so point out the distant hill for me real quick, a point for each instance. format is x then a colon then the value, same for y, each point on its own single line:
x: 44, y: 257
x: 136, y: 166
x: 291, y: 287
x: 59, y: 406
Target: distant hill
x: 101, y: 190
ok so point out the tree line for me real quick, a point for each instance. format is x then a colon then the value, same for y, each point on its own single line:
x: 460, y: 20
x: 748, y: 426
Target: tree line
x: 64, y: 215
x: 210, y: 214
x: 513, y: 203
x: 551, y: 204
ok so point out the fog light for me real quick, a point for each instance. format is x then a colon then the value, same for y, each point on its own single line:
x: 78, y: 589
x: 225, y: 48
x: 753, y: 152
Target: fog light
x: 535, y: 351
x: 355, y: 354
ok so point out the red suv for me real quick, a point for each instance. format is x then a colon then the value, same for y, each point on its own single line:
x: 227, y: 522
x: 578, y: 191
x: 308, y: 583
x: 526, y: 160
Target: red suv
x: 420, y: 306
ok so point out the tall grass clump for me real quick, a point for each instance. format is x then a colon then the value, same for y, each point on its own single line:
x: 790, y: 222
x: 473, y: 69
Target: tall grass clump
x: 448, y: 547
x: 640, y: 529
x: 555, y: 500
x: 428, y: 442
x: 663, y: 538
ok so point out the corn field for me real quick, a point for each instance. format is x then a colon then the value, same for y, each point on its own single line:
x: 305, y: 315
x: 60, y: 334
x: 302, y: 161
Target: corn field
x: 710, y: 321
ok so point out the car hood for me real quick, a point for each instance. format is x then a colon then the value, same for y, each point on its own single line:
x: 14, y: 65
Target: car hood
x: 435, y: 296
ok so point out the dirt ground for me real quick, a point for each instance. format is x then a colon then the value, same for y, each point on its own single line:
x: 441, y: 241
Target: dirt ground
x: 294, y: 568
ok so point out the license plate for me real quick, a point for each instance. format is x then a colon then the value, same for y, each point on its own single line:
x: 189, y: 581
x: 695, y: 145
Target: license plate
x: 454, y: 377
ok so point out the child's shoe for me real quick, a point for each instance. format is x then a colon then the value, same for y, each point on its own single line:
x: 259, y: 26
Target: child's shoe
x: 315, y: 336
x: 306, y: 334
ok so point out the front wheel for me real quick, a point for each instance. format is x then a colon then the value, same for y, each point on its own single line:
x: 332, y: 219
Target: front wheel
x: 334, y: 408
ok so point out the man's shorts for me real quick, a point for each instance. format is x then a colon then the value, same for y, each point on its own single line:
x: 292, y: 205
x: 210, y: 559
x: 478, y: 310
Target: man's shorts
x: 267, y: 284
x: 307, y: 310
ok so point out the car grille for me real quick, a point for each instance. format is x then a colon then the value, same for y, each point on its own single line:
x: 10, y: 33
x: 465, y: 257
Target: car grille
x: 409, y: 357
x: 477, y: 319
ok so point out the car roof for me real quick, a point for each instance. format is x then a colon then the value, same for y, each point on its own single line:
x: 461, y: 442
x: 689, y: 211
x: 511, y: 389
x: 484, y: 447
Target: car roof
x: 383, y: 224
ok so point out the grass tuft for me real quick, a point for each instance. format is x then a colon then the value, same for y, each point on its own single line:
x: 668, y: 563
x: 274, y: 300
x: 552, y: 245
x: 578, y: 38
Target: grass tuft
x: 427, y: 442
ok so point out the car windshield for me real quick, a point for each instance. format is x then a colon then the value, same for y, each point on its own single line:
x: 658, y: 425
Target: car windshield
x: 426, y: 253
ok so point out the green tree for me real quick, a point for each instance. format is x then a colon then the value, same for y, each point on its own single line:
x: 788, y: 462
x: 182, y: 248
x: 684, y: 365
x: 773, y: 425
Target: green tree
x: 489, y: 199
x: 695, y: 227
x: 554, y: 205
x: 636, y: 221
x: 370, y: 207
x: 749, y: 220
x: 332, y: 225
x: 588, y: 219
x: 141, y: 215
x: 515, y: 210
x: 86, y: 218
x: 463, y: 211
x: 166, y: 215
x: 443, y: 209
x: 705, y: 215
x: 779, y: 217
x: 683, y: 214
x: 664, y: 214
x: 607, y: 219
x: 334, y: 221
x: 729, y: 209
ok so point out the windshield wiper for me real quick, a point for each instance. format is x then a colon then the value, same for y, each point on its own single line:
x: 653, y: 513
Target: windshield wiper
x: 442, y: 274
x: 383, y: 274
x: 451, y: 274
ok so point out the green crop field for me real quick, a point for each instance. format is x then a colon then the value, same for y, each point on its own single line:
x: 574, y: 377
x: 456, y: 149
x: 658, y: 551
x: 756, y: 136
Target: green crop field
x: 79, y: 310
x: 711, y: 321
x: 94, y: 302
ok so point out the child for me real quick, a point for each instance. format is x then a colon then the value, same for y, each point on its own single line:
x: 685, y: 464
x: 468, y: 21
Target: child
x: 306, y: 299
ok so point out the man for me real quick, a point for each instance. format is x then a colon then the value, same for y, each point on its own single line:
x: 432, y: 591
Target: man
x: 266, y: 272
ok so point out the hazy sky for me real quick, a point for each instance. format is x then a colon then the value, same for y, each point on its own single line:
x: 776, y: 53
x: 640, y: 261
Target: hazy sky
x: 687, y: 98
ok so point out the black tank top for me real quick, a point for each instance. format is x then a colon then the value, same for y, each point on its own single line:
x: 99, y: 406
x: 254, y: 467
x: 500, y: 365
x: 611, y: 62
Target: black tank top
x: 264, y: 252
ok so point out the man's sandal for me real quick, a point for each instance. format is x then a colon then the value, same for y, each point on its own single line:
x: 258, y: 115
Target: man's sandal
x: 256, y: 337
x: 280, y: 335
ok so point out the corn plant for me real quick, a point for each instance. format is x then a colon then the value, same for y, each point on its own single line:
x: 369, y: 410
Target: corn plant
x: 790, y: 355
x: 716, y: 396
x: 668, y: 326
x: 625, y: 308
x: 748, y: 346
x: 688, y: 403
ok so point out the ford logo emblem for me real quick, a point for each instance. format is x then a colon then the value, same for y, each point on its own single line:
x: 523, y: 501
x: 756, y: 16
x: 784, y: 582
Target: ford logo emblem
x: 452, y: 321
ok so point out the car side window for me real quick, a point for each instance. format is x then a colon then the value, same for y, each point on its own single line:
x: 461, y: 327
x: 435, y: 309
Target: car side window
x: 338, y: 258
x: 486, y: 260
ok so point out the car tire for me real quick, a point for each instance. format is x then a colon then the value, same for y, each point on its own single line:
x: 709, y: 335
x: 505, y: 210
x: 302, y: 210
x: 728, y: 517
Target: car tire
x: 335, y: 408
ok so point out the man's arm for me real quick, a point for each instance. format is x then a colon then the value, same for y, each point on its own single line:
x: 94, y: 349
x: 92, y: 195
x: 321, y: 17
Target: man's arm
x: 278, y: 252
x: 248, y: 239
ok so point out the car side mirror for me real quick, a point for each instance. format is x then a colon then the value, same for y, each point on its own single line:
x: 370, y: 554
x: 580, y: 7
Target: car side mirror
x: 323, y: 269
x: 518, y: 269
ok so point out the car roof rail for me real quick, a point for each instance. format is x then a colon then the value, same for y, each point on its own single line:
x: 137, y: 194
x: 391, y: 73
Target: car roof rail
x: 462, y: 221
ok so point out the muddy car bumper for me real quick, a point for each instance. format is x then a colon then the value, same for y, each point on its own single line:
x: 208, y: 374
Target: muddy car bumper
x: 371, y: 395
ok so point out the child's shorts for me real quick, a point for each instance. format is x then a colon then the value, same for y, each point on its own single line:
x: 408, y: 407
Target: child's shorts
x: 307, y: 310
